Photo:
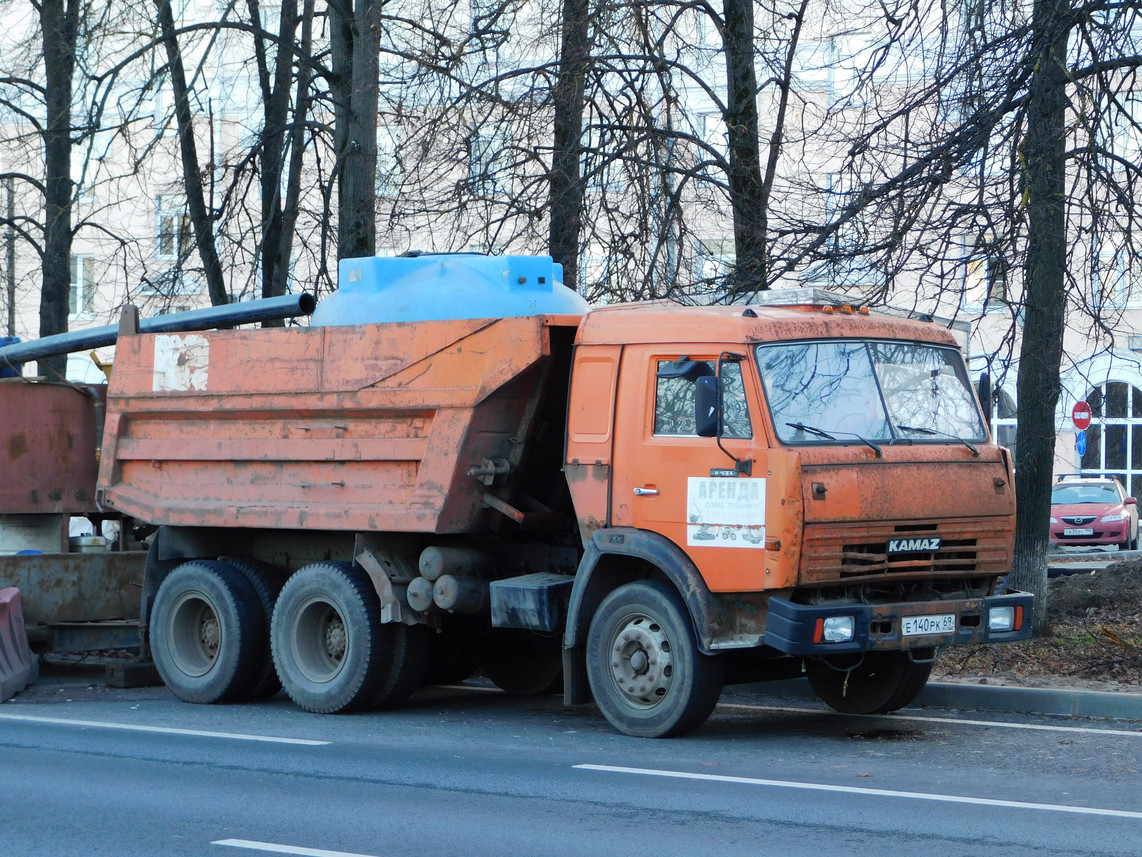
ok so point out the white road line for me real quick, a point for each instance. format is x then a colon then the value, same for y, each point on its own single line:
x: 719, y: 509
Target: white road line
x: 285, y: 849
x: 1135, y: 733
x: 167, y: 730
x: 820, y: 787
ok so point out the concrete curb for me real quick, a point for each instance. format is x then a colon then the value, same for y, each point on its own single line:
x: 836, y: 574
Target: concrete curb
x: 1033, y: 700
x: 1013, y: 700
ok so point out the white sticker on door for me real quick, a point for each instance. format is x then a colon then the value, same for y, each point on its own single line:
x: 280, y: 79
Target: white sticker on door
x: 728, y: 513
x: 181, y: 363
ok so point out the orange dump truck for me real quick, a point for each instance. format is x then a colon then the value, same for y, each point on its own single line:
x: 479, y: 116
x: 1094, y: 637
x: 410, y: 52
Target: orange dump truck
x: 642, y: 502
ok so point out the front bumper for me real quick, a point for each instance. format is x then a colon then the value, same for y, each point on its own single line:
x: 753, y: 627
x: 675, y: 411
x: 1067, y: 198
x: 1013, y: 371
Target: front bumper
x: 1103, y: 534
x: 792, y: 628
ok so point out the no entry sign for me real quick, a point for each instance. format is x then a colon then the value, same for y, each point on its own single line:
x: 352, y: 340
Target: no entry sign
x: 1081, y: 415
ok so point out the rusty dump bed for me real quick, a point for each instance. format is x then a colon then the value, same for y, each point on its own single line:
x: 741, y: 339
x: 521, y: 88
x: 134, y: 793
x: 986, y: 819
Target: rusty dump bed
x: 371, y: 427
x: 49, y: 443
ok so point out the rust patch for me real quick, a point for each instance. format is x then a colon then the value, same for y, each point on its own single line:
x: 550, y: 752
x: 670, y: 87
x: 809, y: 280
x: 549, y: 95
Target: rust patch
x: 17, y: 446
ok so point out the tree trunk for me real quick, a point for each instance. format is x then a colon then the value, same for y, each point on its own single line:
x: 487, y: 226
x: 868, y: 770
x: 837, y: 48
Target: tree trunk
x: 275, y: 87
x: 745, y: 158
x: 192, y: 177
x: 297, y: 152
x: 58, y: 24
x: 1045, y: 302
x: 566, y: 215
x: 355, y: 37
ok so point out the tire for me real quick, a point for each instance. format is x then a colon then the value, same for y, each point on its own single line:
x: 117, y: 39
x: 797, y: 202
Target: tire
x: 207, y: 632
x: 330, y: 649
x: 454, y: 652
x: 523, y: 663
x: 267, y: 586
x: 877, y: 683
x: 645, y: 670
x: 412, y: 645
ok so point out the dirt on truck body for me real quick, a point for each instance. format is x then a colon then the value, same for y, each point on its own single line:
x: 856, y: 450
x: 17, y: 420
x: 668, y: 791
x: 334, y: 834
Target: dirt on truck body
x: 642, y: 502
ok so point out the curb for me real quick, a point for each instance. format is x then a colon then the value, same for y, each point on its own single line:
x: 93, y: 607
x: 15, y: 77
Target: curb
x: 1012, y: 700
x: 1033, y: 700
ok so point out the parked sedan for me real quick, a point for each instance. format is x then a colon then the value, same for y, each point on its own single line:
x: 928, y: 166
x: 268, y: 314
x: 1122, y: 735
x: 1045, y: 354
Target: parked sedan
x: 1093, y: 511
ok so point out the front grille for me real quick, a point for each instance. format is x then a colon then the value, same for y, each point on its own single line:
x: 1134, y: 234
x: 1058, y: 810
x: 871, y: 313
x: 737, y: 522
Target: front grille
x: 852, y: 552
x: 1079, y: 520
x: 873, y: 558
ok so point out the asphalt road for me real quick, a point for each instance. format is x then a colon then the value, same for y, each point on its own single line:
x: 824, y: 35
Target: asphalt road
x: 87, y: 771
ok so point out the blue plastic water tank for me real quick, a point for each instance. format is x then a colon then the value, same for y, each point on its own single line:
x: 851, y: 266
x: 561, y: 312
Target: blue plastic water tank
x: 7, y: 371
x: 441, y: 286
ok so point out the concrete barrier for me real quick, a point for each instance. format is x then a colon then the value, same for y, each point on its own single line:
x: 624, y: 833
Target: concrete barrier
x: 18, y: 666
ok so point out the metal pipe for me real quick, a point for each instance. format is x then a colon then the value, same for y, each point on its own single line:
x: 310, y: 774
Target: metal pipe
x: 246, y: 312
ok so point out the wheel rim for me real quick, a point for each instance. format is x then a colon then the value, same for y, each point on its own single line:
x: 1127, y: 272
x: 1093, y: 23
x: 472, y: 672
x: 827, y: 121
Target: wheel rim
x: 642, y: 665
x: 196, y: 634
x: 320, y: 640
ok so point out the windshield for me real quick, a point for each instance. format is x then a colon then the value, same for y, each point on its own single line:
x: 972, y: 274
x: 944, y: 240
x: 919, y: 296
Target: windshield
x: 836, y: 391
x: 1098, y: 493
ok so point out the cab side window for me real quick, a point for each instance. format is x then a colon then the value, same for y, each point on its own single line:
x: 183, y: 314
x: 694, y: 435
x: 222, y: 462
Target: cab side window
x: 675, y: 396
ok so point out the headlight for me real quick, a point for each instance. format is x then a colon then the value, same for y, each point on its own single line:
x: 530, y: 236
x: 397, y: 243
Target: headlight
x: 1113, y: 519
x: 1054, y: 520
x: 839, y: 629
x: 1001, y: 619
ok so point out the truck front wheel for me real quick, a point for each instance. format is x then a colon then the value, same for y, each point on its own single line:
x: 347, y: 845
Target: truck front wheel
x: 207, y: 632
x: 330, y: 649
x: 643, y: 663
x: 875, y: 683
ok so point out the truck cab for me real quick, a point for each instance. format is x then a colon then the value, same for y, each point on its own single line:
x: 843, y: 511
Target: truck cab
x: 816, y: 482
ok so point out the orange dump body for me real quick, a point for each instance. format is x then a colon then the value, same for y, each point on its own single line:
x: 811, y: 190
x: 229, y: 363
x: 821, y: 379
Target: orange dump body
x: 367, y: 428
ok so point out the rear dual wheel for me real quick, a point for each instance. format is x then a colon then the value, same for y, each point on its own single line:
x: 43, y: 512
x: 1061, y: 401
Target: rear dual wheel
x: 208, y: 632
x: 330, y: 649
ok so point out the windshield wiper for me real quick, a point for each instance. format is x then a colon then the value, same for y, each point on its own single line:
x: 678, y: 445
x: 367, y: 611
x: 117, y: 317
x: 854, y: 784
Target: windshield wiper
x: 822, y: 433
x: 929, y: 431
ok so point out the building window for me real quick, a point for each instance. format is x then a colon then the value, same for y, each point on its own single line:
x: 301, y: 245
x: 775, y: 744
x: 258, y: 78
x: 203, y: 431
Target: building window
x: 1114, y: 437
x: 389, y: 173
x: 489, y: 158
x: 985, y: 275
x: 81, y: 296
x: 174, y: 235
x: 713, y: 261
x: 81, y: 175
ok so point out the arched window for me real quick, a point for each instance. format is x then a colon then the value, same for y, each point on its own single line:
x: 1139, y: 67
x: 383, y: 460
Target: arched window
x: 1114, y: 439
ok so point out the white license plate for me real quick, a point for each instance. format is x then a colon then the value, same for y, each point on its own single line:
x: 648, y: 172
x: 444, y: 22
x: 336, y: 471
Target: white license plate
x: 1078, y: 531
x: 914, y: 626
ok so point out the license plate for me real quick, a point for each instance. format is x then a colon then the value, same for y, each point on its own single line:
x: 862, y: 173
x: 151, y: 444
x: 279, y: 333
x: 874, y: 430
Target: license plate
x: 915, y: 626
x: 1078, y: 531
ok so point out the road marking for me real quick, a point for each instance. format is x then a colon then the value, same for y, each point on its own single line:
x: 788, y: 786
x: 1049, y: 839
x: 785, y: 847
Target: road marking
x: 1002, y: 724
x: 166, y: 730
x: 856, y: 790
x: 285, y: 849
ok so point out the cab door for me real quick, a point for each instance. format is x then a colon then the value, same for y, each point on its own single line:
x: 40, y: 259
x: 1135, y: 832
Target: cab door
x: 670, y: 481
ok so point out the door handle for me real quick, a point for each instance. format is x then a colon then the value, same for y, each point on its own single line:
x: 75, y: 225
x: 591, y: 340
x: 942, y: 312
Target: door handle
x: 645, y: 492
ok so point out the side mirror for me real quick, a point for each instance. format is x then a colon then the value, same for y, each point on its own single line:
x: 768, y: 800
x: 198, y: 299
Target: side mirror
x: 1131, y: 501
x: 706, y: 406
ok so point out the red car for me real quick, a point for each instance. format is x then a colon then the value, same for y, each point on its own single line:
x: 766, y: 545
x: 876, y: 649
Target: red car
x: 1093, y: 510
